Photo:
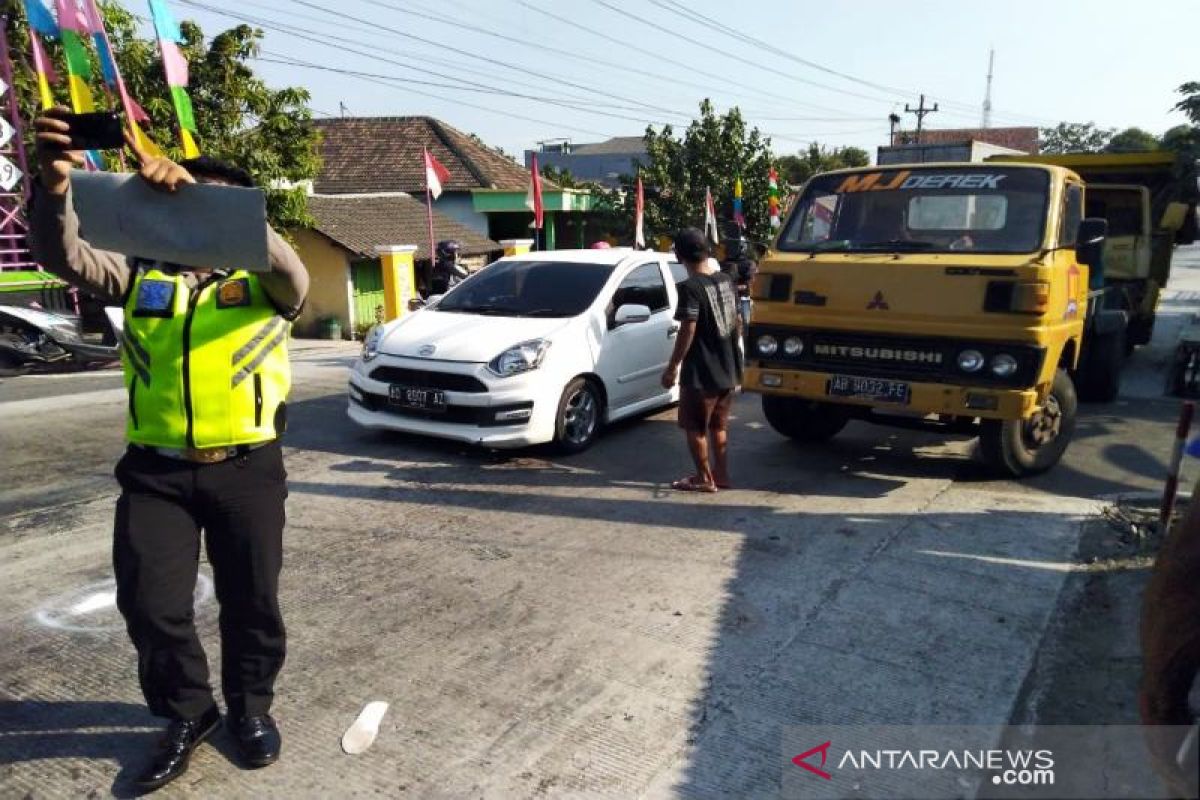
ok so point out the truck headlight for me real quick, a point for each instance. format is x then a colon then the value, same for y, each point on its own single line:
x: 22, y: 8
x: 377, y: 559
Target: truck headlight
x: 793, y: 346
x: 522, y: 357
x: 371, y: 343
x: 767, y: 345
x: 970, y: 361
x: 1004, y: 366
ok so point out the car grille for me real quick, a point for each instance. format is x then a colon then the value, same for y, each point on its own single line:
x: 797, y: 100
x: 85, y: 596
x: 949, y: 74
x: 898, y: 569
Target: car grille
x: 429, y: 379
x: 910, y: 356
x: 482, y: 416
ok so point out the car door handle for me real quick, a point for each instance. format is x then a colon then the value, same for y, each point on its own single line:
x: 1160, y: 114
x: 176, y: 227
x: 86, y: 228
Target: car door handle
x: 673, y: 331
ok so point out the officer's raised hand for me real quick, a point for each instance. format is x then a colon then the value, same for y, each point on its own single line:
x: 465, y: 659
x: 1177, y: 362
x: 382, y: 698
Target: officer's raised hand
x: 160, y: 172
x: 54, y: 158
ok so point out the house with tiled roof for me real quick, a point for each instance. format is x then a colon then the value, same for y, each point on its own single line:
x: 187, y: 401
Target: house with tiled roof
x: 1021, y: 139
x: 486, y: 190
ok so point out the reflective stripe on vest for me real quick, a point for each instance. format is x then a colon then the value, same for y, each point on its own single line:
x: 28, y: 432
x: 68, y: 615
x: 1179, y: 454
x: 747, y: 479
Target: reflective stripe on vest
x: 189, y: 355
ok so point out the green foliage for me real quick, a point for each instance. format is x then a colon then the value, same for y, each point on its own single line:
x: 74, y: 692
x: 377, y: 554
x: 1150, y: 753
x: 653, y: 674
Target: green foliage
x: 1190, y: 104
x: 266, y: 131
x: 1132, y: 140
x: 712, y: 153
x: 1185, y: 139
x: 1075, y: 137
x: 797, y: 169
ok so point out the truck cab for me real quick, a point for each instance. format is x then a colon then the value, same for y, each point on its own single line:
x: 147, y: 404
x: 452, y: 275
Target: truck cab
x: 976, y: 297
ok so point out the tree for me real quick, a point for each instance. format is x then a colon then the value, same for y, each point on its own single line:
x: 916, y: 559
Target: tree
x: 1190, y: 104
x: 1183, y: 139
x: 1075, y: 137
x: 799, y: 168
x: 267, y: 131
x: 712, y: 153
x: 1132, y: 140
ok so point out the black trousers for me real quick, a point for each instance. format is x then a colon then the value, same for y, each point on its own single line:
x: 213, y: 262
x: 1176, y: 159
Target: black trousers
x: 239, y: 504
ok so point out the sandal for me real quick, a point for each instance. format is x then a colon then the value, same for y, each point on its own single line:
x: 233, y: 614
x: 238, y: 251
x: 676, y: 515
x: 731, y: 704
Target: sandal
x: 691, y: 484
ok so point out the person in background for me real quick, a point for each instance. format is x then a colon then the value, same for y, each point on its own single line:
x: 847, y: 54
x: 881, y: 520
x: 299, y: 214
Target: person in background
x: 706, y: 362
x: 448, y: 272
x: 742, y: 268
x: 206, y: 368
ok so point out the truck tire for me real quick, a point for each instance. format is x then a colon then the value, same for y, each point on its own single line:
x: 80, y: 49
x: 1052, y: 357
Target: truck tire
x: 1099, y: 374
x: 804, y: 420
x: 1018, y: 448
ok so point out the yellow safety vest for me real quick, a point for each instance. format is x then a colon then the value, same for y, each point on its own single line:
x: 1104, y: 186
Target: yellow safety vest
x: 204, y: 367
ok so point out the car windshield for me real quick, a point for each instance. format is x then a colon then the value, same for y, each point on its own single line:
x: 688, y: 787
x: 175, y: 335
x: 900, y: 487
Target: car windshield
x: 529, y: 289
x: 981, y: 209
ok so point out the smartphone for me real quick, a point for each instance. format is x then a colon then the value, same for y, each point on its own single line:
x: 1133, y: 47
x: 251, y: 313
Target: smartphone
x: 98, y: 130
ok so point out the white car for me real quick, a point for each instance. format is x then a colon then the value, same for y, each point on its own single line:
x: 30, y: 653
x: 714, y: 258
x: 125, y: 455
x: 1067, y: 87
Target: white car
x: 542, y: 347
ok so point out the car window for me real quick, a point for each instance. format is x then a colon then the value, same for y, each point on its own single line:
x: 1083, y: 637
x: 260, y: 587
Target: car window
x: 679, y: 273
x: 644, y: 287
x: 521, y: 288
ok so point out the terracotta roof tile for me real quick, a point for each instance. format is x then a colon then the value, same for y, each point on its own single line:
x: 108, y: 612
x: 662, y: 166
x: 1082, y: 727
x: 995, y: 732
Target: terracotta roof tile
x: 360, y: 223
x: 383, y: 154
x: 1024, y: 139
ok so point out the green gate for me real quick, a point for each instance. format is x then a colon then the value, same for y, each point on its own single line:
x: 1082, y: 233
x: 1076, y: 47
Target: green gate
x: 367, y: 278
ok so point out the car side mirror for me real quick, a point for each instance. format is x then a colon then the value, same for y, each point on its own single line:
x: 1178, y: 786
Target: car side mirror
x: 632, y: 313
x: 1089, y: 241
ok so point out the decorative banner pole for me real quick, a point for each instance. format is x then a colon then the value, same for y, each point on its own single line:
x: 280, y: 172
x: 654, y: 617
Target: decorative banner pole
x: 773, y: 197
x: 739, y: 216
x: 710, y: 217
x: 73, y: 27
x: 639, y: 217
x: 533, y: 200
x: 435, y: 176
x: 112, y: 78
x: 175, y: 68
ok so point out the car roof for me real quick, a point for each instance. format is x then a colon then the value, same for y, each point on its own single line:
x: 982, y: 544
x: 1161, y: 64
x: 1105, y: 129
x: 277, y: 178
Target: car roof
x: 610, y: 255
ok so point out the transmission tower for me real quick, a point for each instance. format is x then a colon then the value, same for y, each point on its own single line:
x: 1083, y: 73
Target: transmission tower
x: 14, y: 169
x: 987, y: 97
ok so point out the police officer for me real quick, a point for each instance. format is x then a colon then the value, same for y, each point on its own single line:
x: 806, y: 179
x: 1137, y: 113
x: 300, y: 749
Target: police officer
x: 447, y: 271
x: 206, y: 368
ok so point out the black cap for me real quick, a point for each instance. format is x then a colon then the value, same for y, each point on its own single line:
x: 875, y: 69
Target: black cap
x: 449, y: 246
x: 691, y: 246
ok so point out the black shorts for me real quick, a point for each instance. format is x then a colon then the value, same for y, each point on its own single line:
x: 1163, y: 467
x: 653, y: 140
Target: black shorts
x: 701, y: 411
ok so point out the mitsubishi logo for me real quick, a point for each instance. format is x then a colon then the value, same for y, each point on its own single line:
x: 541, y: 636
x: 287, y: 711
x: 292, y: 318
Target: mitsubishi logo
x: 877, y: 303
x: 802, y: 760
x: 426, y: 350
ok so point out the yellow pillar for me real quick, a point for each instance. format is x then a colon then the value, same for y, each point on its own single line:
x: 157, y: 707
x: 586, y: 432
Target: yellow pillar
x: 399, y: 279
x: 516, y: 247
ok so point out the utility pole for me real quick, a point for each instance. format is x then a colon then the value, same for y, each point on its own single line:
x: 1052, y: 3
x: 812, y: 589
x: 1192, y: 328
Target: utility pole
x: 14, y: 177
x: 987, y: 97
x: 342, y: 109
x: 893, y: 121
x: 920, y: 111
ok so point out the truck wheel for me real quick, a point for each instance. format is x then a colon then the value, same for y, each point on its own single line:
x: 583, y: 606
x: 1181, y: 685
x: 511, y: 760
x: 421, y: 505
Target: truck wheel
x: 1023, y: 447
x: 1100, y: 371
x: 803, y: 420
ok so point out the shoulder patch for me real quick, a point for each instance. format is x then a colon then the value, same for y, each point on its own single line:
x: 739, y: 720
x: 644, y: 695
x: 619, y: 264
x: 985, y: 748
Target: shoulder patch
x: 233, y: 293
x: 155, y: 298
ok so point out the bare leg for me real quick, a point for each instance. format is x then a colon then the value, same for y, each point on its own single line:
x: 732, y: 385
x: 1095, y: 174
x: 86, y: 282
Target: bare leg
x: 720, y: 457
x: 698, y: 446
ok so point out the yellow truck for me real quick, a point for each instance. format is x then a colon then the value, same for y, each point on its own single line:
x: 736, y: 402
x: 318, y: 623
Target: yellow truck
x: 971, y: 297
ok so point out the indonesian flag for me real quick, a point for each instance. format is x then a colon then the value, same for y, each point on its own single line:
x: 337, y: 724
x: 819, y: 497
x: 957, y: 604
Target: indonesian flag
x: 533, y: 200
x: 639, y: 212
x: 435, y: 175
x: 710, y: 217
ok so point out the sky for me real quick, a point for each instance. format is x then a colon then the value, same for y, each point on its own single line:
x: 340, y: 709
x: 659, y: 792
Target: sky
x: 800, y: 71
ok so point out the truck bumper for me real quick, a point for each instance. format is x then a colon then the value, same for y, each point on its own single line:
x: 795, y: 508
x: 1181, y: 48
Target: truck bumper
x: 984, y: 402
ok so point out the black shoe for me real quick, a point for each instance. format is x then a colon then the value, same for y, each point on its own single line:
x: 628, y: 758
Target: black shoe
x: 258, y: 740
x: 175, y: 749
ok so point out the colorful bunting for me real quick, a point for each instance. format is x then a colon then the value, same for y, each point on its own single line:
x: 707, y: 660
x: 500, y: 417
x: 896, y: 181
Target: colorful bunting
x: 41, y: 19
x: 175, y: 69
x: 738, y: 216
x: 773, y: 196
x: 44, y: 69
x: 533, y: 200
x: 72, y: 18
x: 112, y: 77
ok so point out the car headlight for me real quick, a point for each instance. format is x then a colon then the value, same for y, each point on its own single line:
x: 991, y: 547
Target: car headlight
x: 520, y: 358
x: 371, y: 343
x: 970, y: 361
x: 793, y: 346
x: 1004, y: 366
x: 767, y: 345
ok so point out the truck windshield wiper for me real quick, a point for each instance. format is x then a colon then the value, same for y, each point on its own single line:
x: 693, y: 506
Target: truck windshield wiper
x: 896, y: 244
x: 827, y: 245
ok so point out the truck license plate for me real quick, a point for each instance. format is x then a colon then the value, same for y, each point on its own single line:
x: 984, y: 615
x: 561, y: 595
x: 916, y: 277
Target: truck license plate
x: 412, y: 397
x: 869, y: 389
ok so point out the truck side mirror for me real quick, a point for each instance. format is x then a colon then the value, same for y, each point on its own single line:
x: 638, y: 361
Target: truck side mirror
x: 1089, y: 241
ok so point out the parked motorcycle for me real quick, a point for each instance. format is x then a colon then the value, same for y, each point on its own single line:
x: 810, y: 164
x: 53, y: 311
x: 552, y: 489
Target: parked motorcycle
x: 31, y: 337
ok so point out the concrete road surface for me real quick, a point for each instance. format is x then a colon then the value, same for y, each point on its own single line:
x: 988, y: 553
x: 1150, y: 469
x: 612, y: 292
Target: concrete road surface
x: 561, y: 627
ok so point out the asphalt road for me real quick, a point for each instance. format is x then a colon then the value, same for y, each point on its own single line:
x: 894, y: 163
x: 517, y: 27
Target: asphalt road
x: 563, y: 627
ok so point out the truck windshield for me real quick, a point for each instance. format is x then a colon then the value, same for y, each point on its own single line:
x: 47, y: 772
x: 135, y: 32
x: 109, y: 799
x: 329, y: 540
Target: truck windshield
x: 982, y: 208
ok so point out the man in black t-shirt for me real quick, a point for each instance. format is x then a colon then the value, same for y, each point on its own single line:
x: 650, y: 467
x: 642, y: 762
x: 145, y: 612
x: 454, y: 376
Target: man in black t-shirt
x: 707, y: 351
